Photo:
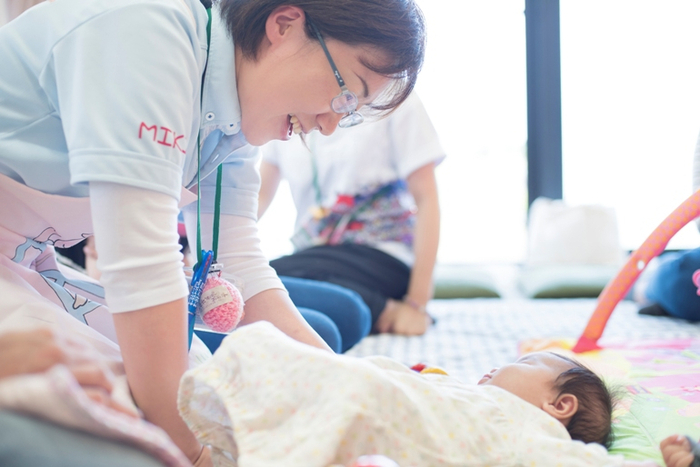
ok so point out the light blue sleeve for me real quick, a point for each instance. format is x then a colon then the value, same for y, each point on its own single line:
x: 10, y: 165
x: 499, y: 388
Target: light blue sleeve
x: 126, y: 85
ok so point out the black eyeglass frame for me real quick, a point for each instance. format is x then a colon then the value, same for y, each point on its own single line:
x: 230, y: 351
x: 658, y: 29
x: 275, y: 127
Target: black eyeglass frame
x: 346, y: 102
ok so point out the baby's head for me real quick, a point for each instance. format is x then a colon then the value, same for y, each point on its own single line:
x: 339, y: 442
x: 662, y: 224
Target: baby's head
x: 563, y: 388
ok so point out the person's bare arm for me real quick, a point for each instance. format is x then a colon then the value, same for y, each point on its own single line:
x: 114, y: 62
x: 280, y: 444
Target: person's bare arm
x: 153, y: 343
x: 408, y: 317
x: 275, y: 306
x: 270, y: 178
x: 423, y: 187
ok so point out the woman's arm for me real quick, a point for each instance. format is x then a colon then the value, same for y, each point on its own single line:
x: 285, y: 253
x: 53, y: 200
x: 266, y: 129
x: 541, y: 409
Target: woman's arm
x: 246, y: 266
x: 275, y: 306
x: 142, y: 272
x: 409, y: 316
x: 423, y: 187
x: 153, y: 343
x: 270, y: 178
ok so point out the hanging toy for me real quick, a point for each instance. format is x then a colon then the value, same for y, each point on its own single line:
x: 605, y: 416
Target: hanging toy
x: 220, y: 303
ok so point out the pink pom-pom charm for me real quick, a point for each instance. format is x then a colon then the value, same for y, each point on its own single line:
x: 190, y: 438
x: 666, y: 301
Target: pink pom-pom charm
x: 221, y: 304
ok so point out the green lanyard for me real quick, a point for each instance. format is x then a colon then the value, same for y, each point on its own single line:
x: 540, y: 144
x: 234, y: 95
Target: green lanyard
x: 204, y: 258
x: 219, y: 172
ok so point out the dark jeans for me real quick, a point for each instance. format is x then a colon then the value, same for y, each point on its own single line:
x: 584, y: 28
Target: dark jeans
x: 373, y: 274
x: 344, y: 307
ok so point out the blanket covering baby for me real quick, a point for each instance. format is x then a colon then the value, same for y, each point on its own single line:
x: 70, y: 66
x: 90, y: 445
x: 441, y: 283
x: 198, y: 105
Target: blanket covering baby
x: 265, y: 400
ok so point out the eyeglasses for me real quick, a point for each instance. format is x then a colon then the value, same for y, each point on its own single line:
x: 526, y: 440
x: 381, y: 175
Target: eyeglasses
x: 346, y: 102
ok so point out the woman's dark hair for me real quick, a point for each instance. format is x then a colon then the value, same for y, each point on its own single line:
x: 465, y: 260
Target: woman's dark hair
x: 394, y: 27
x: 592, y: 422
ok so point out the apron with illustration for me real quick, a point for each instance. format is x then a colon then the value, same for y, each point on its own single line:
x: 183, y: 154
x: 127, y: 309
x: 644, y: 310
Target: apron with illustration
x: 33, y: 285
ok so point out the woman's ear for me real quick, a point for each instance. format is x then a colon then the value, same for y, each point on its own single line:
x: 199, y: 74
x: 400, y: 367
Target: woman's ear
x: 282, y: 22
x: 562, y: 408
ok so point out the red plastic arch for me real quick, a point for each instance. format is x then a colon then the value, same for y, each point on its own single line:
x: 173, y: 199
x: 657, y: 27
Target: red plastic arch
x: 616, y: 290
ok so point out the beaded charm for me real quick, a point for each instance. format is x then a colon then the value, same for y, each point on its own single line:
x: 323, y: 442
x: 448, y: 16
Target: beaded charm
x: 221, y: 303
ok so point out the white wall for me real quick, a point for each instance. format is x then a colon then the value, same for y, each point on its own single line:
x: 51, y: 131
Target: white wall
x: 631, y: 113
x: 631, y: 109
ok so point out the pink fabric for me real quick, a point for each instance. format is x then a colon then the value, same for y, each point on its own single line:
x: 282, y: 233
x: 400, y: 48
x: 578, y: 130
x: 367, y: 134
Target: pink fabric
x: 56, y: 396
x: 36, y: 291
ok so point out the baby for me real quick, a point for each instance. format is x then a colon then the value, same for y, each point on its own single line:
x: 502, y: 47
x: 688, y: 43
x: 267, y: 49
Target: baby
x: 265, y: 399
x: 562, y: 388
x: 579, y: 399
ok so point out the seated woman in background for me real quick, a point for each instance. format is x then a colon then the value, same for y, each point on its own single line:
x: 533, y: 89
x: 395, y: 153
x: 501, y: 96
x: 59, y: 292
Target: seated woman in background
x: 367, y: 212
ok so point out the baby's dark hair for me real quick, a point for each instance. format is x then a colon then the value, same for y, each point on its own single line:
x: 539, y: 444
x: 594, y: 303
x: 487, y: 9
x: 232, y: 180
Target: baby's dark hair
x: 592, y: 422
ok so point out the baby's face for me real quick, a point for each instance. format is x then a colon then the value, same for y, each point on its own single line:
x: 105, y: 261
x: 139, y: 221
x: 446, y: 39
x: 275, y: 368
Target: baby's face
x: 531, y: 377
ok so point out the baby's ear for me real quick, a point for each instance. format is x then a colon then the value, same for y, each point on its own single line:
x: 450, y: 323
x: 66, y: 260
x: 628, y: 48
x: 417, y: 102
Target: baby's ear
x: 562, y: 408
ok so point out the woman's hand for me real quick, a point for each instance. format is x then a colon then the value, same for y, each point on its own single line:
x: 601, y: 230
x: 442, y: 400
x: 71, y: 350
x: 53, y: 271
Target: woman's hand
x: 402, y: 318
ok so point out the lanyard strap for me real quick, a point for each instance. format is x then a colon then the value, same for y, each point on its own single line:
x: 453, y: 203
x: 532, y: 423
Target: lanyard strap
x: 219, y: 174
x: 204, y: 259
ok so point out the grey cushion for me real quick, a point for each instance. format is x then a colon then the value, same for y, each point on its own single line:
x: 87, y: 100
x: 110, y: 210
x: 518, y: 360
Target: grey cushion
x: 463, y: 281
x: 30, y: 442
x: 565, y: 280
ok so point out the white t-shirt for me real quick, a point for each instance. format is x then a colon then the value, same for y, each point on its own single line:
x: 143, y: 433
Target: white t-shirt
x: 352, y: 159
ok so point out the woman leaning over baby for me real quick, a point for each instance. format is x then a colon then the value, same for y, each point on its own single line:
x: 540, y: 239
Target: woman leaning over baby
x: 113, y: 106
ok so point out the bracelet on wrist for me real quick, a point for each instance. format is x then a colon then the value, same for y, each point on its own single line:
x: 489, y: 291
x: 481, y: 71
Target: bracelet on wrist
x: 414, y: 304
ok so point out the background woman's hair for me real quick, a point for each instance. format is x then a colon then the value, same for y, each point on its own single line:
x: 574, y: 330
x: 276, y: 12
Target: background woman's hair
x: 592, y: 422
x: 394, y: 27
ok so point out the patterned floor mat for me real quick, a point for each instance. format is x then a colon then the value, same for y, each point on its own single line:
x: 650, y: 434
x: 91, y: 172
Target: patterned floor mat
x: 472, y: 336
x: 654, y: 360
